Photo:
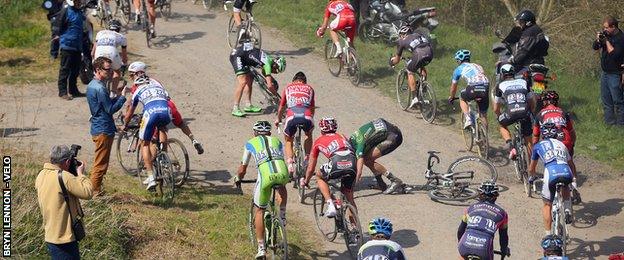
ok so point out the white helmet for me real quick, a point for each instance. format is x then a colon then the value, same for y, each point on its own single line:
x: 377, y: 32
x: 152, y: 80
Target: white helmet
x: 70, y: 2
x: 137, y: 66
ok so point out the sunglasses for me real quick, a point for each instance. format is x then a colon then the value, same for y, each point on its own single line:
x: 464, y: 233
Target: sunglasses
x: 106, y: 69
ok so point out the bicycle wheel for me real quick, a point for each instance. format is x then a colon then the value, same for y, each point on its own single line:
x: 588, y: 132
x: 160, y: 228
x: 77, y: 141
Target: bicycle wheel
x: 165, y: 9
x: 334, y: 64
x: 255, y: 34
x: 428, y: 103
x: 251, y: 218
x: 466, y: 133
x: 520, y: 163
x: 277, y: 240
x: 354, y: 68
x: 179, y: 160
x: 457, y: 193
x: 126, y: 147
x: 123, y: 11
x: 480, y: 169
x: 146, y: 24
x: 166, y: 180
x: 299, y: 167
x: 353, y: 229
x: 404, y: 95
x: 327, y: 226
x: 483, y: 143
x: 141, y: 175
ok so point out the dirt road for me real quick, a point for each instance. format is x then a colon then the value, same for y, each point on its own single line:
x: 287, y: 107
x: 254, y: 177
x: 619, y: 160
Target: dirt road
x: 191, y: 59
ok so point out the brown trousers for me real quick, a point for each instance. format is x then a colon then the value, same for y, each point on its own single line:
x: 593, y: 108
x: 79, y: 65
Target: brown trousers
x: 103, y: 147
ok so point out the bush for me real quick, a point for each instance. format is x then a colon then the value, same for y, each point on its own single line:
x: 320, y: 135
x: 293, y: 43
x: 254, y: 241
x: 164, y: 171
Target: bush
x: 22, y: 24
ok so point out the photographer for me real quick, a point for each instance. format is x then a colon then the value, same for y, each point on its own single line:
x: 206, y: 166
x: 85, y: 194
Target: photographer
x: 611, y: 43
x: 59, y: 186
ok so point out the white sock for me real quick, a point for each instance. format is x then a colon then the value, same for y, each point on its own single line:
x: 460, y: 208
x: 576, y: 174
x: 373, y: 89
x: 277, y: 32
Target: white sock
x: 261, y: 245
x: 236, y: 107
x: 547, y: 232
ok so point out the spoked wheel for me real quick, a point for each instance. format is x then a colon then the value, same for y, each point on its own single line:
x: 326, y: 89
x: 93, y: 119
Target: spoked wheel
x: 146, y: 27
x: 165, y: 10
x: 404, y: 95
x: 480, y: 169
x: 299, y: 169
x: 123, y: 11
x: 466, y: 133
x: 167, y: 182
x: 520, y: 164
x: 334, y: 64
x: 126, y: 147
x: 277, y: 242
x: 141, y: 175
x: 327, y: 226
x: 428, y: 103
x: 483, y: 144
x: 352, y: 229
x: 255, y: 34
x: 364, y: 31
x: 179, y: 160
x: 354, y: 67
x: 232, y: 33
x: 457, y: 193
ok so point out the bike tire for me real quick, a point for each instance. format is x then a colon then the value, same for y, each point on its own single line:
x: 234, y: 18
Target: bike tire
x: 299, y: 169
x: 167, y: 184
x: 165, y: 10
x: 179, y: 160
x: 278, y: 241
x: 428, y: 102
x: 251, y: 218
x: 520, y: 163
x: 403, y: 93
x: 353, y: 231
x: 327, y: 226
x: 453, y: 194
x: 141, y: 175
x: 122, y: 10
x: 483, y: 169
x: 363, y: 31
x: 483, y: 144
x: 333, y: 64
x: 256, y: 35
x: 466, y: 133
x: 231, y: 33
x: 354, y: 67
x: 126, y: 152
x: 146, y: 24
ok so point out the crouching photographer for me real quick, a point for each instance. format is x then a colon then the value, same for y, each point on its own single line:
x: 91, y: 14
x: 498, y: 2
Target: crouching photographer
x: 59, y: 186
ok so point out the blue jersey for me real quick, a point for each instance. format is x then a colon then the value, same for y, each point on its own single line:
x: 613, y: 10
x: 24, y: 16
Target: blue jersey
x: 381, y: 249
x: 552, y: 152
x: 472, y: 73
x: 153, y: 96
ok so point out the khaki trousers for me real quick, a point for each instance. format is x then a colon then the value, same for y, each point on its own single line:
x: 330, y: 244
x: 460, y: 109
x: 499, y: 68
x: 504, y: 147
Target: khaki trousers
x: 103, y: 147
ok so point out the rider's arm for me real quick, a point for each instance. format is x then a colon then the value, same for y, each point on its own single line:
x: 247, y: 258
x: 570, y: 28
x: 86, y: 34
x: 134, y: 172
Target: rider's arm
x: 359, y: 166
x: 503, y: 238
x: 313, y: 102
x: 453, y: 89
x: 522, y: 50
x: 570, y: 127
x: 124, y: 55
x: 454, y: 79
x: 325, y: 20
x: 311, y: 166
x: 242, y: 168
x: 461, y: 230
x: 536, y: 131
x: 129, y: 114
x: 534, y: 158
x: 282, y: 106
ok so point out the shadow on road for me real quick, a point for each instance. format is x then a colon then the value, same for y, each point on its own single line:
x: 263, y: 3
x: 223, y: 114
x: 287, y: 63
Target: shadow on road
x: 8, y: 132
x: 299, y: 52
x: 163, y: 42
x: 406, y: 238
x: 185, y: 18
x: 579, y: 249
x: 587, y: 214
x: 204, y: 177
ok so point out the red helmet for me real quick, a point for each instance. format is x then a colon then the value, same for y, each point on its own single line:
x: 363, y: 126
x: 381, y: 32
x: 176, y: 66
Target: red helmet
x: 328, y: 125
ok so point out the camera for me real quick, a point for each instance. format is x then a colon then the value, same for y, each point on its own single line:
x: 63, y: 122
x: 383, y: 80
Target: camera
x: 73, y: 165
x: 602, y: 35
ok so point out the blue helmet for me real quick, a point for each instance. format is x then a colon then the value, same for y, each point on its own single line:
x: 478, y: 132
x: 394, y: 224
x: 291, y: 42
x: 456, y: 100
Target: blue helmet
x: 552, y: 245
x: 462, y: 55
x: 380, y: 226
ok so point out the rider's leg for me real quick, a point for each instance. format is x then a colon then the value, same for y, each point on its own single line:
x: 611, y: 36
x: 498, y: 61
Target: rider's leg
x: 307, y: 143
x: 115, y: 80
x: 411, y: 82
x: 335, y: 38
x: 288, y: 149
x: 282, y: 197
x: 330, y: 210
x: 242, y: 83
x: 248, y: 90
x: 146, y: 153
x: 377, y: 168
x: 259, y: 226
x: 464, y: 107
x: 547, y: 217
x: 137, y: 9
x: 151, y: 12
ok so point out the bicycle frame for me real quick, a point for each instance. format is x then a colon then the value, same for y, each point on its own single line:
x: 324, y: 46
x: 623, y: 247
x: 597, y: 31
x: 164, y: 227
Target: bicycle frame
x: 558, y: 216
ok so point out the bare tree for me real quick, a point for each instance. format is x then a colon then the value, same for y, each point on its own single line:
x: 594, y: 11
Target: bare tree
x: 543, y: 12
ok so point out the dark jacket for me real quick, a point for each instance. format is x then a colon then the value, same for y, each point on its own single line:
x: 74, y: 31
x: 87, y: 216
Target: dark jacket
x: 611, y: 62
x: 102, y: 108
x: 69, y: 27
x: 531, y: 47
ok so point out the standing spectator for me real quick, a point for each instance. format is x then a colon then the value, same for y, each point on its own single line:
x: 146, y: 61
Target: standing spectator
x: 53, y: 7
x: 103, y: 128
x: 611, y: 43
x: 57, y: 220
x: 68, y: 30
x: 532, y: 45
x: 361, y: 8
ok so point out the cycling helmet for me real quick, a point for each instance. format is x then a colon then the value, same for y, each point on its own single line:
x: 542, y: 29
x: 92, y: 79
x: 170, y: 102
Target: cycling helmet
x: 507, y: 70
x: 143, y: 79
x: 549, y: 130
x: 550, y: 96
x: 114, y: 25
x: 300, y: 76
x: 280, y: 61
x: 262, y: 127
x: 380, y: 226
x: 328, y: 125
x: 405, y: 29
x: 70, y: 2
x: 137, y: 66
x: 462, y: 55
x: 526, y: 16
x: 488, y: 189
x: 552, y: 245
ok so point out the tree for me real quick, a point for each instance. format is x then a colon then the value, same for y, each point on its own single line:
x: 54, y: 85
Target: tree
x: 542, y: 13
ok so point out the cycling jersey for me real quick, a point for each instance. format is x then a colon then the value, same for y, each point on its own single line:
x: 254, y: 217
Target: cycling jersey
x: 345, y: 18
x: 514, y: 93
x: 268, y: 154
x: 328, y: 144
x: 107, y: 42
x: 555, y: 258
x: 244, y: 57
x: 472, y: 73
x: 379, y: 134
x: 481, y: 221
x: 554, y: 114
x: 420, y: 47
x: 156, y: 113
x: 298, y: 98
x: 555, y: 156
x: 176, y: 117
x: 381, y: 250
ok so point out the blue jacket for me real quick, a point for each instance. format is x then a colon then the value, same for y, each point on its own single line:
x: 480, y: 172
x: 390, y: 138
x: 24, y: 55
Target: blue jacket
x: 102, y: 108
x: 69, y: 27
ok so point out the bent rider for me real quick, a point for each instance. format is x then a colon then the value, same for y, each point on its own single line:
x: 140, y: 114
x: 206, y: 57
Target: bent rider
x: 344, y: 21
x: 106, y: 43
x: 477, y: 86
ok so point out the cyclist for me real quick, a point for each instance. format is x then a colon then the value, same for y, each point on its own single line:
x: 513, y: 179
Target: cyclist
x: 553, y: 248
x: 380, y: 246
x: 422, y: 53
x: 372, y: 141
x: 246, y: 58
x: 237, y: 7
x: 556, y: 158
x: 477, y: 86
x: 344, y: 21
x: 268, y: 155
x: 137, y: 69
x: 479, y: 224
x: 156, y: 115
x: 106, y: 7
x: 151, y: 13
x: 341, y: 164
x: 515, y: 96
x: 298, y: 99
x: 106, y: 43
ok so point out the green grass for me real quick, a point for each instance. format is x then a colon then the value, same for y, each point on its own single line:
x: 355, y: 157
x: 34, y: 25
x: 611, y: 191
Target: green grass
x: 579, y: 93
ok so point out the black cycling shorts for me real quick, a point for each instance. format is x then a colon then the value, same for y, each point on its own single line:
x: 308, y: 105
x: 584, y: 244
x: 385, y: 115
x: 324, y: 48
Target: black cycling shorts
x: 343, y: 167
x: 239, y: 4
x: 238, y: 63
x: 478, y: 93
x: 419, y: 60
x: 394, y: 139
x: 506, y: 120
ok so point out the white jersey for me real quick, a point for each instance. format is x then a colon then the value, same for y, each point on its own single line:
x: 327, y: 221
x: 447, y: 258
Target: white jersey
x: 107, y: 41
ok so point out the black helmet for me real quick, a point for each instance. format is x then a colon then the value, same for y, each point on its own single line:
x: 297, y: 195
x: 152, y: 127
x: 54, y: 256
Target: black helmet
x: 300, y: 76
x: 550, y: 130
x: 526, y: 16
x: 114, y: 25
x: 488, y: 190
x: 507, y: 70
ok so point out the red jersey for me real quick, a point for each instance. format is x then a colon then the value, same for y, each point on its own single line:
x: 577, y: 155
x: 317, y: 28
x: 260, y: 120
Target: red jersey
x: 328, y: 144
x: 298, y: 95
x: 341, y: 8
x: 554, y: 114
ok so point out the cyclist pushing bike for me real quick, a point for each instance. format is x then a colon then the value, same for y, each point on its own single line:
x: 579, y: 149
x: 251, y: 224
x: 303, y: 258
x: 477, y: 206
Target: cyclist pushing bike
x: 477, y: 86
x: 479, y: 225
x: 514, y: 94
x: 106, y: 43
x: 268, y: 155
x: 245, y: 58
x: 380, y: 246
x: 422, y: 54
x: 344, y: 21
x: 298, y: 101
x: 341, y: 164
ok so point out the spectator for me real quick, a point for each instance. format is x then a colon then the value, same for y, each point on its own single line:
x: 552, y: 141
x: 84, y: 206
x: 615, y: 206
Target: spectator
x: 360, y: 7
x: 532, y: 45
x: 611, y: 43
x: 57, y: 220
x: 53, y: 7
x: 103, y: 127
x: 68, y: 31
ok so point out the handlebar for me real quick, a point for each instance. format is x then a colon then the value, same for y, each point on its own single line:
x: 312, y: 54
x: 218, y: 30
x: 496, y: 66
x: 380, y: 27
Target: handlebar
x: 432, y: 155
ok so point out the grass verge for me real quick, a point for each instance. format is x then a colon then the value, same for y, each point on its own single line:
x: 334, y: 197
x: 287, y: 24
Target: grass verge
x: 579, y: 93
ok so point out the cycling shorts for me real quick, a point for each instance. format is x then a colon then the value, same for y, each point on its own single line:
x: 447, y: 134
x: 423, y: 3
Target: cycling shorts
x: 420, y: 58
x: 240, y: 5
x: 343, y: 167
x: 238, y: 64
x: 506, y: 120
x: 153, y: 120
x: 554, y: 174
x: 346, y: 24
x: 476, y: 243
x: 394, y: 139
x: 176, y: 117
x: 270, y: 173
x: 478, y: 93
x: 111, y: 53
x: 290, y: 126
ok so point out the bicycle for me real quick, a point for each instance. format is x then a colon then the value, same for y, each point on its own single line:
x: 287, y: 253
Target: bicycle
x: 559, y: 226
x: 300, y: 167
x: 123, y: 10
x: 346, y: 220
x: 102, y: 15
x: 521, y: 162
x: 145, y: 24
x: 426, y: 94
x: 496, y: 252
x: 274, y: 226
x: 248, y: 29
x: 273, y: 100
x: 128, y: 152
x: 477, y: 133
x: 165, y: 8
x: 454, y: 184
x: 348, y: 59
x: 206, y: 3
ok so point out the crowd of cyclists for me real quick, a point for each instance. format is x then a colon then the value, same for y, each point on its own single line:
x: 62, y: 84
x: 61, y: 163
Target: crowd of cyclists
x: 552, y: 131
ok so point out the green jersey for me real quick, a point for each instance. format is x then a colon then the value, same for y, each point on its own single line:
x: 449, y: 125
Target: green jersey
x: 368, y: 136
x: 268, y: 154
